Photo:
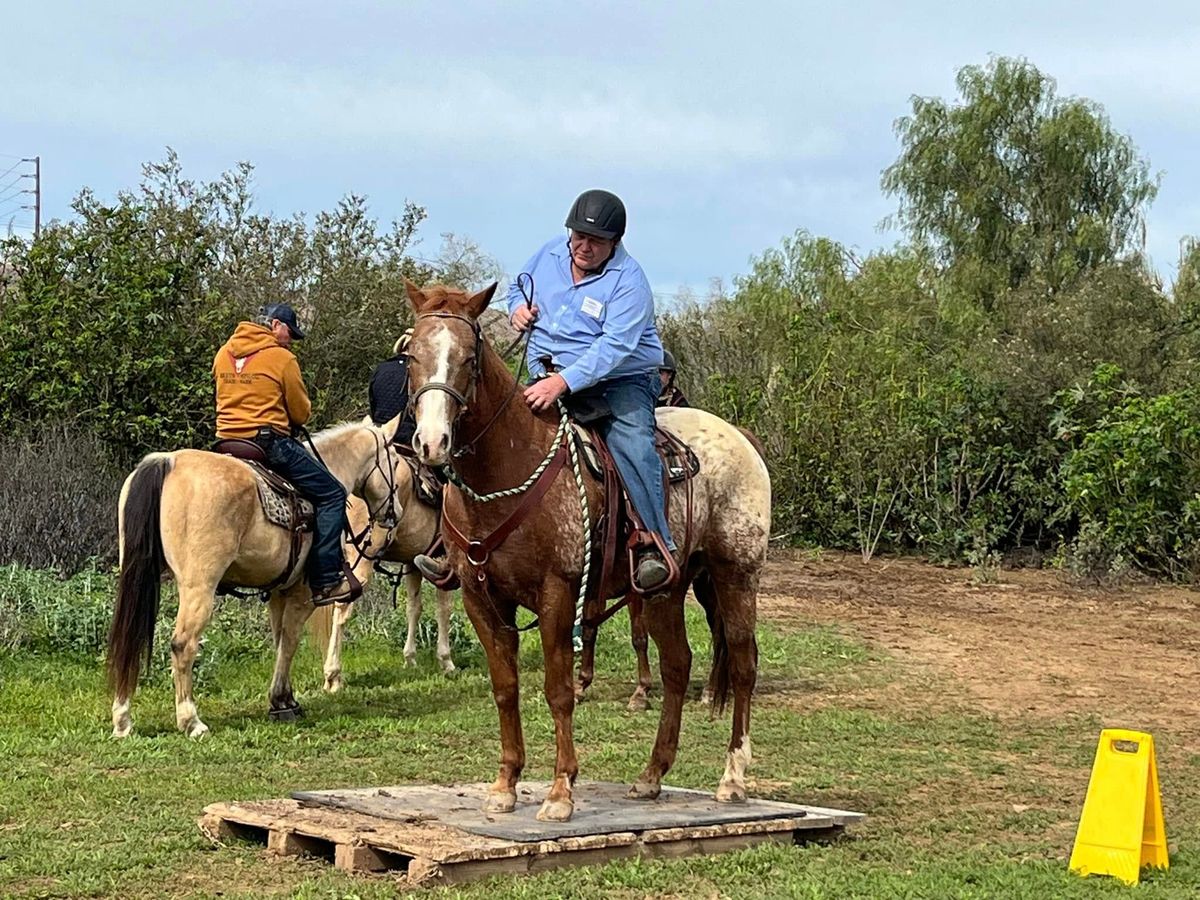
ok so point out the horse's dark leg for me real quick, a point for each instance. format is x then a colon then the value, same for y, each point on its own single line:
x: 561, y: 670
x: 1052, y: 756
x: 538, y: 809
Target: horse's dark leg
x: 736, y: 666
x: 289, y: 611
x: 639, y: 702
x: 587, y: 662
x: 706, y: 594
x: 499, y: 640
x: 556, y: 619
x: 664, y: 620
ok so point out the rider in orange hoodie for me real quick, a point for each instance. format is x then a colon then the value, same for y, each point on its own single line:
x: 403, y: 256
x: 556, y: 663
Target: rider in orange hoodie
x: 261, y: 397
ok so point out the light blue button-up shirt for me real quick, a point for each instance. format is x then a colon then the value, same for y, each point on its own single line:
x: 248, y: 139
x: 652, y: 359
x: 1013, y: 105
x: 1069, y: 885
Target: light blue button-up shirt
x: 601, y: 328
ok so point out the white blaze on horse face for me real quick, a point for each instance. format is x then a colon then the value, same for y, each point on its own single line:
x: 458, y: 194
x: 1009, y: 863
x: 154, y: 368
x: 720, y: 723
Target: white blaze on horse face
x: 434, y: 423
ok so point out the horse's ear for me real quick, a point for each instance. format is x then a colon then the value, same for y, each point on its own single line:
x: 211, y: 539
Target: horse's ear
x: 477, y: 303
x: 391, y: 426
x: 416, y: 296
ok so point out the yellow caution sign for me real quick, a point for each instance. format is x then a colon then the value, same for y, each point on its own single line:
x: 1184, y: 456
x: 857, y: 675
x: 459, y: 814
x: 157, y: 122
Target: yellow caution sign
x: 1121, y: 828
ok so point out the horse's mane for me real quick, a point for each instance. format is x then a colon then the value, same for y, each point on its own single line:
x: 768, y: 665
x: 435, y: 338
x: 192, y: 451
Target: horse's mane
x: 334, y: 431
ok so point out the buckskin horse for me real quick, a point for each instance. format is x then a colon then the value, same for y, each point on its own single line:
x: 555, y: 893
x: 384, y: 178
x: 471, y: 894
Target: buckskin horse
x: 414, y: 533
x: 516, y: 532
x: 198, y: 515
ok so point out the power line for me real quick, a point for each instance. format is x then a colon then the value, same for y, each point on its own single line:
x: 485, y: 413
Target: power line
x: 10, y: 168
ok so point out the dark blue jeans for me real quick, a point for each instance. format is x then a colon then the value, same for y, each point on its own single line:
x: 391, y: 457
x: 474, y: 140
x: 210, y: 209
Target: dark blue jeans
x: 630, y: 437
x: 328, y: 497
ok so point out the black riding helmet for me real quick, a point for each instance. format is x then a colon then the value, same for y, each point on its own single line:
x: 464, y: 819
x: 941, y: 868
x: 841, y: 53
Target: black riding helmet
x: 598, y: 213
x: 668, y: 363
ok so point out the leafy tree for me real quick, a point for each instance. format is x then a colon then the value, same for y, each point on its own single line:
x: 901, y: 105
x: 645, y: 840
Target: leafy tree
x: 109, y: 322
x: 1013, y: 180
x: 1186, y: 291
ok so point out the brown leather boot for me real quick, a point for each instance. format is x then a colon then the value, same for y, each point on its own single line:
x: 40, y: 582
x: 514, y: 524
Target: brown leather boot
x: 436, y: 571
x: 344, y: 590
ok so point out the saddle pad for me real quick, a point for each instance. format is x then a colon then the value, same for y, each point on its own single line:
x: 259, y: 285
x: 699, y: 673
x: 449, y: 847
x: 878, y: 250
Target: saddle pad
x: 275, y: 493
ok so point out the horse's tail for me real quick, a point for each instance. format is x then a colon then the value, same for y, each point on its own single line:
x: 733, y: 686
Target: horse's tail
x: 142, y: 564
x: 706, y: 593
x: 320, y: 626
x: 754, y: 442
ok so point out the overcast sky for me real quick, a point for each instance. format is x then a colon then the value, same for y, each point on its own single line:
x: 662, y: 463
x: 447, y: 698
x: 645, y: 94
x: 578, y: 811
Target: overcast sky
x: 724, y: 126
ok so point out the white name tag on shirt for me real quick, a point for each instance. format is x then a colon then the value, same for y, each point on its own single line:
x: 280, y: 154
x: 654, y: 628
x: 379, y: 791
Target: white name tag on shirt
x: 592, y: 306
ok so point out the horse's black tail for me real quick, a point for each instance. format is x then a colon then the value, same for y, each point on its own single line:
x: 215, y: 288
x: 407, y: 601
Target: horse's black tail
x: 706, y: 592
x: 142, y: 563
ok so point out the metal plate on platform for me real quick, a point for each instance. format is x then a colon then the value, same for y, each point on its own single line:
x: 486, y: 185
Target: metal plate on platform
x: 600, y: 808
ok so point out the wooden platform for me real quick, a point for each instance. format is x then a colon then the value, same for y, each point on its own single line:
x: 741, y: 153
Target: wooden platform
x: 439, y: 834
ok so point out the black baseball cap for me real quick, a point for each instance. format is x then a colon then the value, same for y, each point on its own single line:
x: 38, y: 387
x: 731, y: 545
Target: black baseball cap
x: 285, y: 314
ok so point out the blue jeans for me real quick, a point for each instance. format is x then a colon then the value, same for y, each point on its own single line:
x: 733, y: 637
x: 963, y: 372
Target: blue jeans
x: 630, y: 437
x: 328, y: 497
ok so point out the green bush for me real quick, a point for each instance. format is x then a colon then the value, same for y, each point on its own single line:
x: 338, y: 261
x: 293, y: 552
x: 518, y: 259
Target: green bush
x: 1133, y: 483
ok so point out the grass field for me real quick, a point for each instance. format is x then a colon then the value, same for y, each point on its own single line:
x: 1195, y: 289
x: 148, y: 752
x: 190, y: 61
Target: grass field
x: 960, y: 803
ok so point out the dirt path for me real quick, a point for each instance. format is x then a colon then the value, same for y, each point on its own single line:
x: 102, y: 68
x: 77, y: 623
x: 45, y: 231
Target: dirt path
x: 1030, y: 644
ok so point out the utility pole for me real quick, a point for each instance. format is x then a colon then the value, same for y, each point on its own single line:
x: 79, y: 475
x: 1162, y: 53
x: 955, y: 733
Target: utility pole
x: 37, y: 195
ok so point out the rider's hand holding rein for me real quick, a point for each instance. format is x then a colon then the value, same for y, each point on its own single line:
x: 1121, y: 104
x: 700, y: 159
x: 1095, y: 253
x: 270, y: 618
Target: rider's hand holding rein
x: 543, y: 393
x: 524, y: 317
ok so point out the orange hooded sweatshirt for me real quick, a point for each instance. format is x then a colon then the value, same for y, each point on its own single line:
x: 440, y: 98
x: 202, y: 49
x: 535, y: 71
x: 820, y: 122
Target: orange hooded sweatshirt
x: 258, y: 385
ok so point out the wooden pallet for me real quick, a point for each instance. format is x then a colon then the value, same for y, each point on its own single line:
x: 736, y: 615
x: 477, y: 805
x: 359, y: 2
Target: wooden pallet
x: 426, y: 850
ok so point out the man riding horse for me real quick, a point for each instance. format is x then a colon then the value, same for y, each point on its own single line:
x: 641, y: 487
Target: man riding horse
x: 592, y: 315
x: 670, y: 394
x: 261, y: 398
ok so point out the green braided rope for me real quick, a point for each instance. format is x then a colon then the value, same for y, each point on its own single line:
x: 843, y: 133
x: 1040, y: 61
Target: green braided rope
x: 563, y: 424
x: 519, y: 489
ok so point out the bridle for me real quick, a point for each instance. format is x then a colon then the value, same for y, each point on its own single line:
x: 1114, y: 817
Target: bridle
x: 462, y: 399
x: 390, y: 517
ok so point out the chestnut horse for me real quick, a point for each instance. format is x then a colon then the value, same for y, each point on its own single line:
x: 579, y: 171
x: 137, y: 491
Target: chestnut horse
x: 469, y: 415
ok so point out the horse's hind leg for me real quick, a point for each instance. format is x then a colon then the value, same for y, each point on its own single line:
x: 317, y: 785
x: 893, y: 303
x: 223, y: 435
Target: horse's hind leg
x: 445, y: 605
x: 587, y: 662
x: 289, y: 611
x: 412, y: 587
x: 735, y: 664
x: 706, y: 595
x: 196, y: 601
x: 340, y: 615
x: 639, y: 702
x: 664, y: 615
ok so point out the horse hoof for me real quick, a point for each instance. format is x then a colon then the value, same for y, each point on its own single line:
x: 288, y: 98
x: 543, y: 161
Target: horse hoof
x: 706, y: 698
x: 287, y: 713
x: 122, y: 731
x: 580, y: 693
x: 644, y: 790
x: 731, y: 792
x: 556, y: 811
x: 333, y: 684
x: 197, y: 730
x: 639, y: 703
x: 500, y: 802
x: 410, y: 661
x: 448, y: 666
